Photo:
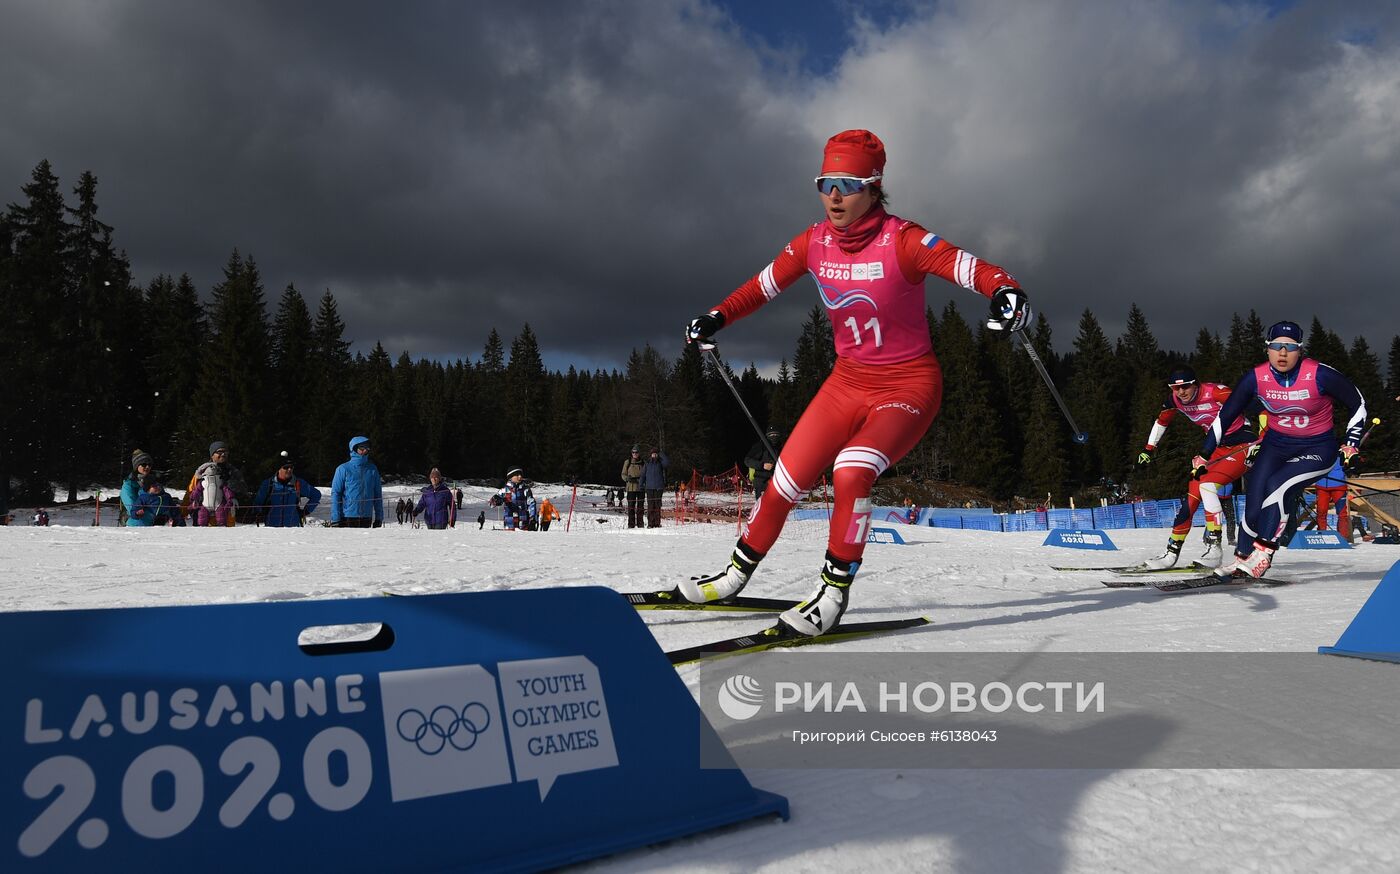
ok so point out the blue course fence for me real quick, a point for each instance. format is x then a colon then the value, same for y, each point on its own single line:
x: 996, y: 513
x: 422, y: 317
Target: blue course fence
x: 1144, y: 514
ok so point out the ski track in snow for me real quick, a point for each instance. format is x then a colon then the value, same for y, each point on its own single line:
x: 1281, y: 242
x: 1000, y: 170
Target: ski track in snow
x: 984, y: 592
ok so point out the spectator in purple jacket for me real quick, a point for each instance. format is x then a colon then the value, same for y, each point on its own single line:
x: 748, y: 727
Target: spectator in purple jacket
x: 437, y: 503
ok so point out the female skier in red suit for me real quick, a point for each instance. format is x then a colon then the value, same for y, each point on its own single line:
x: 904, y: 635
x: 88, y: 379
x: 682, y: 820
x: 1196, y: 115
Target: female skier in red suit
x: 885, y: 389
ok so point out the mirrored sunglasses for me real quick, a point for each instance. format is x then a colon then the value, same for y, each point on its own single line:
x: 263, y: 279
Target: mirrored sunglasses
x: 847, y: 185
x: 1285, y: 347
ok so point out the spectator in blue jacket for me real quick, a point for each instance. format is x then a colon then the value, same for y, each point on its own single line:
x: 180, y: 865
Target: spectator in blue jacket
x: 131, y: 489
x: 357, y: 493
x: 285, y: 499
x: 437, y: 504
x: 654, y: 484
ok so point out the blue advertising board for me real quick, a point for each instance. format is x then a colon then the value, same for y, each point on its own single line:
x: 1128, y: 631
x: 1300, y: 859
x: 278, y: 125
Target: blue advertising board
x: 459, y: 732
x: 1318, y: 540
x: 1079, y: 538
x: 884, y: 535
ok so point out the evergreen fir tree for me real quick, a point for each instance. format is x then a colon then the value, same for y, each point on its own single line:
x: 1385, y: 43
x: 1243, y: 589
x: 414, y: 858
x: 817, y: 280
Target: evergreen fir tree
x: 1144, y: 370
x: 292, y: 373
x: 1364, y: 371
x: 1044, y: 465
x: 966, y: 435
x: 1096, y: 399
x: 814, y: 358
x: 1209, y: 357
x: 375, y: 407
x: 1241, y: 355
x: 525, y: 399
x: 234, y: 389
x: 39, y: 306
x: 1323, y: 345
x: 496, y: 435
x: 175, y: 320
x: 331, y: 419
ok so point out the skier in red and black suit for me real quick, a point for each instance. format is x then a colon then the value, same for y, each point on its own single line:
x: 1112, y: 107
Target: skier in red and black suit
x: 886, y: 387
x: 1201, y: 403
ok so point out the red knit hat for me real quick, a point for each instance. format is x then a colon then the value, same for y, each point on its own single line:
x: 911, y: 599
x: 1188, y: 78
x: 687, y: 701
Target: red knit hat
x: 857, y: 152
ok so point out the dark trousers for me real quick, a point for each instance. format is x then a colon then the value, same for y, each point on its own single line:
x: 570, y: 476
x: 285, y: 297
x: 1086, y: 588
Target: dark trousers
x: 634, y: 509
x: 544, y: 526
x: 653, y: 508
x: 356, y: 522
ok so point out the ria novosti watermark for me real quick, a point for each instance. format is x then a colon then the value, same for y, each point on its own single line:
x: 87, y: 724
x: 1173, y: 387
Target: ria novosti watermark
x: 1051, y: 710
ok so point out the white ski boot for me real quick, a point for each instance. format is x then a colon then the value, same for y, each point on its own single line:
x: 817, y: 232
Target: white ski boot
x: 1255, y: 565
x: 1213, y: 554
x: 1166, y: 559
x: 823, y: 611
x: 725, y: 584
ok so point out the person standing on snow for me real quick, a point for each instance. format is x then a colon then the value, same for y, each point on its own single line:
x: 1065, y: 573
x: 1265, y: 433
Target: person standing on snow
x: 885, y: 389
x: 212, y: 497
x: 632, y: 481
x: 521, y: 513
x: 548, y: 513
x: 437, y: 503
x: 1298, y: 448
x: 1201, y: 403
x: 357, y: 493
x: 653, y: 484
x: 279, y: 499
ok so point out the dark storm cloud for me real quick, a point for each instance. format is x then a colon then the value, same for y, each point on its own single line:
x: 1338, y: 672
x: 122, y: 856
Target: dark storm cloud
x: 605, y: 170
x: 1195, y: 158
x: 598, y: 171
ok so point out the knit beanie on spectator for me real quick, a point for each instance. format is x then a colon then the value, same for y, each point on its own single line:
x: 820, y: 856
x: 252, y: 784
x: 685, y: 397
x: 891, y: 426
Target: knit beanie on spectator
x: 140, y: 457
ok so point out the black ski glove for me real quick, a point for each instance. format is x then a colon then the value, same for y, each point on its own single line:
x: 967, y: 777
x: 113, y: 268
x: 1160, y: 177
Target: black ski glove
x: 1010, y: 309
x: 704, y: 327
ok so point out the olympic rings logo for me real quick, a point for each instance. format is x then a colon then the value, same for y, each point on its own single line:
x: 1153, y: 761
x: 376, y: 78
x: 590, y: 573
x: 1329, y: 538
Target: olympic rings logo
x: 432, y: 734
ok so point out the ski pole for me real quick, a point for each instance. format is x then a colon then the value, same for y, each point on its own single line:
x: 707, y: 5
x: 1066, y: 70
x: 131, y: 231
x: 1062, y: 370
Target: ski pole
x: 709, y: 348
x: 1080, y: 437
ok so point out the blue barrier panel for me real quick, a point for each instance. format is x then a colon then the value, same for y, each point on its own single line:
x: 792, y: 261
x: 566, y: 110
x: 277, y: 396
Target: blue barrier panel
x: 1147, y: 515
x: 1058, y: 519
x: 946, y: 522
x: 808, y: 513
x: 884, y: 535
x: 1166, y: 511
x: 1318, y: 540
x: 1079, y: 539
x: 1374, y: 633
x: 1021, y: 522
x: 1114, y: 516
x: 982, y: 523
x: 468, y: 733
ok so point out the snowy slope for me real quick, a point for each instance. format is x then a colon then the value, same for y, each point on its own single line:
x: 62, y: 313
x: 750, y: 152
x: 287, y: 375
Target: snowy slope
x: 985, y: 592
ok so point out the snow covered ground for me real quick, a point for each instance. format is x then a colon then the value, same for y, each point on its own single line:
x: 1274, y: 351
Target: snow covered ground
x: 984, y: 591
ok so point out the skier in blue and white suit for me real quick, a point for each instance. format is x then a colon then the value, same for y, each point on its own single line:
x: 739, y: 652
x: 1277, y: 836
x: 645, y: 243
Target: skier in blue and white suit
x: 1297, y: 449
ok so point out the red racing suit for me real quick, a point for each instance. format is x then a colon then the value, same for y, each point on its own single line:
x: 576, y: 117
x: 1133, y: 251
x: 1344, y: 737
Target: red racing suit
x: 1227, y: 461
x: 886, y: 386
